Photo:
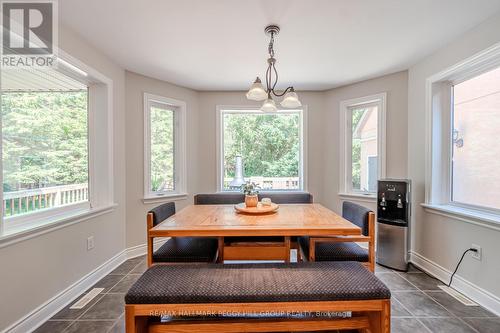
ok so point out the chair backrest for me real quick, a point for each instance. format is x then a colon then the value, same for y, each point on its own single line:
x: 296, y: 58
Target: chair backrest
x: 357, y: 214
x: 232, y: 198
x: 162, y: 212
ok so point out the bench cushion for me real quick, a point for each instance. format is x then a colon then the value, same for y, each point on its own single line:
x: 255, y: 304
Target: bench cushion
x: 162, y: 212
x: 331, y: 251
x: 357, y: 214
x: 232, y: 198
x: 249, y: 283
x: 187, y: 249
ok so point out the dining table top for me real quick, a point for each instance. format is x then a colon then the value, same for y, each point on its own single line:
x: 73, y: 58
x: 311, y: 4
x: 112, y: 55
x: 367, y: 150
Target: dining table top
x: 223, y: 220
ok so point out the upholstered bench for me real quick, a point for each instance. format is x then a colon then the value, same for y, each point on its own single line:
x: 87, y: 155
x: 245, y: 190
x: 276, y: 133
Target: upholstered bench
x: 252, y: 289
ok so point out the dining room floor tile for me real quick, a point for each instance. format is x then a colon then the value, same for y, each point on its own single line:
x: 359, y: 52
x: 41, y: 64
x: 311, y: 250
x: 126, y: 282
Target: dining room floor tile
x: 418, y: 306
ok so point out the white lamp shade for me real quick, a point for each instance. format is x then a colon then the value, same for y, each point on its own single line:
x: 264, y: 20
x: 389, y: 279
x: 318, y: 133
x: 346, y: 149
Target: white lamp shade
x: 291, y: 100
x: 257, y: 91
x: 269, y: 106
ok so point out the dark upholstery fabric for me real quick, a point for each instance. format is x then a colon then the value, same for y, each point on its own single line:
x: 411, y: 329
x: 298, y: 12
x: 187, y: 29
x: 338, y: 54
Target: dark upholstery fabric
x: 356, y: 214
x: 187, y: 249
x: 162, y: 212
x: 235, y: 198
x: 332, y: 251
x: 216, y: 283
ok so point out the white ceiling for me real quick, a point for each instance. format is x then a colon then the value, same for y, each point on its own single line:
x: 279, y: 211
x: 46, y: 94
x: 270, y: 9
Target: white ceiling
x: 220, y: 44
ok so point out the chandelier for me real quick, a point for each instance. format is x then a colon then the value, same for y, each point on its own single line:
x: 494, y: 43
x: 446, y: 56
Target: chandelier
x: 257, y: 91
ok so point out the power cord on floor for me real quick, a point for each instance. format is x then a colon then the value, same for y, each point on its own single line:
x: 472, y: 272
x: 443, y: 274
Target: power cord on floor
x: 458, y: 265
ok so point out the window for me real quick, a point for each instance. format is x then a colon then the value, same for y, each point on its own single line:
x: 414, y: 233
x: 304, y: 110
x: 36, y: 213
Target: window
x: 475, y: 143
x: 263, y: 148
x: 56, y: 150
x: 45, y: 149
x: 362, y: 137
x: 164, y: 149
x: 463, y: 118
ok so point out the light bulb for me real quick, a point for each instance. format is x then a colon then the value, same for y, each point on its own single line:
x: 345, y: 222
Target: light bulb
x: 291, y: 100
x: 257, y: 91
x: 269, y: 105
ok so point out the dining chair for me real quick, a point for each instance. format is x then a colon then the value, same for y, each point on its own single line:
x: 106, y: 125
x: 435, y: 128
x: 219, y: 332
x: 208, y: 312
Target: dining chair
x: 178, y: 249
x: 276, y: 248
x: 345, y: 248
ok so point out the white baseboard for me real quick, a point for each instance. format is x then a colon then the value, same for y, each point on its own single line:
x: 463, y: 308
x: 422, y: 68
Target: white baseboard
x: 142, y: 249
x: 472, y: 291
x: 45, y: 311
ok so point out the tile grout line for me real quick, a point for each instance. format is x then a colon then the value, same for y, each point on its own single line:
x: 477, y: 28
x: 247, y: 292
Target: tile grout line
x: 102, y: 296
x: 435, y: 301
x: 418, y: 289
x: 404, y: 307
x: 109, y: 292
x: 457, y: 317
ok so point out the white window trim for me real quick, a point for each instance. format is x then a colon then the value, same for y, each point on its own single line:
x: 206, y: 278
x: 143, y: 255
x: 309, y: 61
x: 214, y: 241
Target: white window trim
x: 179, y: 108
x: 221, y: 109
x: 100, y: 155
x: 438, y: 147
x: 367, y: 166
x: 345, y: 137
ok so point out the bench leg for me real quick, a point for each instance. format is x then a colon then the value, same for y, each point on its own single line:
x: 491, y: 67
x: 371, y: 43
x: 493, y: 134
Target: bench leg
x: 380, y: 321
x: 134, y: 324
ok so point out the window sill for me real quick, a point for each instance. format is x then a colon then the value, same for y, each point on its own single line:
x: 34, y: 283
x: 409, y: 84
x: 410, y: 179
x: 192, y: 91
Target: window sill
x: 165, y: 197
x: 57, y: 222
x: 369, y: 197
x: 488, y: 220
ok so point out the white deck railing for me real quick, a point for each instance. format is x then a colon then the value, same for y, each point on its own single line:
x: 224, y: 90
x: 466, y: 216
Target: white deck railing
x: 271, y: 183
x: 24, y: 201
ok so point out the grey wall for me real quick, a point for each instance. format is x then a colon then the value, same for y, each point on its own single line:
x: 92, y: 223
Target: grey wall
x: 437, y: 239
x: 35, y: 270
x: 396, y: 86
x: 59, y: 258
x: 136, y: 85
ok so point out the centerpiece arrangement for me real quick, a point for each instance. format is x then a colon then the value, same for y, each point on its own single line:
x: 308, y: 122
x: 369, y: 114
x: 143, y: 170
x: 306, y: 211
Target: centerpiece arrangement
x: 252, y: 204
x: 251, y: 192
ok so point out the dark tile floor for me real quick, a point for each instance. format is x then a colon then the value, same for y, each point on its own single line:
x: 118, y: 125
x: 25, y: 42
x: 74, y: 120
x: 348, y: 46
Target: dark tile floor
x: 418, y: 306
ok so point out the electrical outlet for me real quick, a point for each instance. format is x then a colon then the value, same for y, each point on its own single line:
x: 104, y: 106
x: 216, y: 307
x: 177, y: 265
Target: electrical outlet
x: 478, y: 254
x: 90, y: 243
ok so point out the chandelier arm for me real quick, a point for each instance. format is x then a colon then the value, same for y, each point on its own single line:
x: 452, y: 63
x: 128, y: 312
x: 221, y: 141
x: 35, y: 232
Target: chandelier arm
x: 283, y: 93
x: 276, y: 78
x: 268, y: 78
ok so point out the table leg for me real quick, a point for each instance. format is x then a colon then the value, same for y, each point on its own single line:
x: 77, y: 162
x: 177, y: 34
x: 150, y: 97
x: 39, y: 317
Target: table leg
x: 220, y: 253
x: 287, y: 248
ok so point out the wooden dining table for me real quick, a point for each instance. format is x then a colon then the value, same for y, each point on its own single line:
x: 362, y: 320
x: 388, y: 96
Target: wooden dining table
x: 223, y: 221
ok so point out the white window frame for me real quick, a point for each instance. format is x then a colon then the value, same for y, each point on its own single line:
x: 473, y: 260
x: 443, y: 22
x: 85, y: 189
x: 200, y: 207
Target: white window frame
x: 438, y: 135
x: 367, y: 167
x: 100, y: 162
x: 179, y: 109
x: 345, y: 139
x: 225, y: 109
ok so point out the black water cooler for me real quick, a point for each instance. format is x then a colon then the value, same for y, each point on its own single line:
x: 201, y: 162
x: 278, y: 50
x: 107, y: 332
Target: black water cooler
x: 393, y: 219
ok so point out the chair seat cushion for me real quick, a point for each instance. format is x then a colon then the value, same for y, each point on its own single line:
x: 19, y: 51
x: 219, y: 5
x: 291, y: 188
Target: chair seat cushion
x: 331, y: 251
x: 249, y: 283
x: 187, y: 249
